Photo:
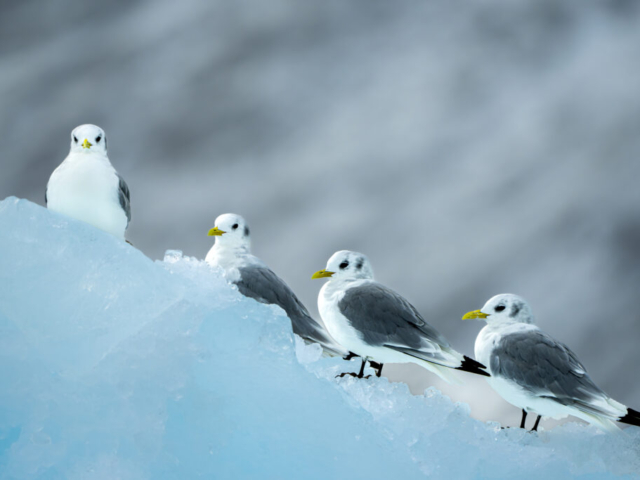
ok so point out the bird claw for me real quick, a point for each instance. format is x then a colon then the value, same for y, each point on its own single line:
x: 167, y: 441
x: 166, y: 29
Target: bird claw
x: 377, y: 367
x: 352, y: 374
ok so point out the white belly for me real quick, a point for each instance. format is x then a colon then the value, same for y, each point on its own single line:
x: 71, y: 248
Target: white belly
x: 88, y: 190
x: 350, y: 339
x: 521, y: 399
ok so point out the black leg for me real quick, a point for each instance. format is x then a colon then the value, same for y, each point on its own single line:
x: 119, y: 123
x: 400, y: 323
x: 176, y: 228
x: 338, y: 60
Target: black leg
x: 535, y: 425
x: 524, y: 417
x: 377, y: 367
x: 364, y: 362
x: 349, y: 356
x: 357, y: 375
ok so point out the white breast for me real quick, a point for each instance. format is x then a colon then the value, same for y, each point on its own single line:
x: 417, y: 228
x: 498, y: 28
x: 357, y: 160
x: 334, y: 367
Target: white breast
x: 230, y: 260
x: 85, y: 187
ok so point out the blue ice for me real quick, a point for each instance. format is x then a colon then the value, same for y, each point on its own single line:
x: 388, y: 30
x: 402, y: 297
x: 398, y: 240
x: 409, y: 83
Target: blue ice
x: 116, y: 366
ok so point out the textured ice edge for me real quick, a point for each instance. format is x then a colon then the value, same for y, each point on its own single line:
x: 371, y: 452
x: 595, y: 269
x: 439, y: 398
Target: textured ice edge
x: 114, y: 366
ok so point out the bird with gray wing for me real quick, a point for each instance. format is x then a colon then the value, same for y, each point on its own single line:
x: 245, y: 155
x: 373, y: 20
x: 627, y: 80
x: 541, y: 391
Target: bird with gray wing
x: 232, y: 252
x: 535, y: 372
x: 86, y: 186
x: 377, y: 324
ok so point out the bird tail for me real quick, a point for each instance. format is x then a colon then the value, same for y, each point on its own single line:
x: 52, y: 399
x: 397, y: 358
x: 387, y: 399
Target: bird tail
x: 438, y: 366
x: 631, y: 418
x: 448, y: 374
x: 599, y: 421
x: 471, y: 366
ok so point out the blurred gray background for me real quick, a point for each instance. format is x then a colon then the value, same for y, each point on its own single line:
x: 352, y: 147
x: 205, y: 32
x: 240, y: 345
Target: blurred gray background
x: 469, y: 148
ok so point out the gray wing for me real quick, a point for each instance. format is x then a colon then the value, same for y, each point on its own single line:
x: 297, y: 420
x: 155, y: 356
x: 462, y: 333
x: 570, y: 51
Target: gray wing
x: 260, y: 283
x: 546, y: 368
x: 124, y: 197
x: 384, y: 318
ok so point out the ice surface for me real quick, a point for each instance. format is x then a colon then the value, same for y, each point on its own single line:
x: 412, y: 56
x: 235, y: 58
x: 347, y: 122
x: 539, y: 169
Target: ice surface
x: 115, y: 366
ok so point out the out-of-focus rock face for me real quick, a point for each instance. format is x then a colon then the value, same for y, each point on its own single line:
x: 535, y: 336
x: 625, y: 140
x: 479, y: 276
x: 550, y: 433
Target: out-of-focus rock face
x: 468, y: 149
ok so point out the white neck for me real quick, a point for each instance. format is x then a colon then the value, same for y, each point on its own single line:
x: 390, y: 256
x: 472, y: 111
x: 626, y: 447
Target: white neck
x: 227, y: 255
x: 504, y: 323
x: 339, y: 285
x: 77, y: 157
x: 232, y: 248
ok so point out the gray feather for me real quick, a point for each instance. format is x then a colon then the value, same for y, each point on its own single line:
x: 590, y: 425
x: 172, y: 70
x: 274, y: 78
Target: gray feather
x: 546, y: 368
x: 260, y: 283
x: 124, y: 197
x: 384, y: 318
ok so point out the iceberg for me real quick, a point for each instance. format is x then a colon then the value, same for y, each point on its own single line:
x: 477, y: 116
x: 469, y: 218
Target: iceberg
x: 116, y: 366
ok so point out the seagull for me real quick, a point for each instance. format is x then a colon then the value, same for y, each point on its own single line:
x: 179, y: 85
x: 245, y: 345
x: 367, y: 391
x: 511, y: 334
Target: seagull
x: 85, y: 186
x: 535, y: 372
x: 232, y: 252
x: 376, y: 323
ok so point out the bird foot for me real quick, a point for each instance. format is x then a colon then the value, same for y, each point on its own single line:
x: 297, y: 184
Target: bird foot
x: 377, y: 367
x: 530, y: 431
x: 352, y: 374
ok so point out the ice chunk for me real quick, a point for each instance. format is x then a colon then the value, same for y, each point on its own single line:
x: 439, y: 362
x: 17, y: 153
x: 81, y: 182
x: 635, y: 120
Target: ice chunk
x: 115, y: 366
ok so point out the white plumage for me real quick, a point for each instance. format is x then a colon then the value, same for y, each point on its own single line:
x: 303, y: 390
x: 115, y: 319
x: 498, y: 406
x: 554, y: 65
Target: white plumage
x: 86, y: 186
x: 535, y: 372
x: 376, y: 323
x: 254, y: 279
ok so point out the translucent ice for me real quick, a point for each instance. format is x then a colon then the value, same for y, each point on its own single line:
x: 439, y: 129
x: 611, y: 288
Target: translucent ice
x: 115, y: 366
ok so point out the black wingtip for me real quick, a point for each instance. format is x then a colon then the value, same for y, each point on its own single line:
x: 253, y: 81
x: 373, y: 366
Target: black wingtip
x: 471, y: 366
x: 631, y: 418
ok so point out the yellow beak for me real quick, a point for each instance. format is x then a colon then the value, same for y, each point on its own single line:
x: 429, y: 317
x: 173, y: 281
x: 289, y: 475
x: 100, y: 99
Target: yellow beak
x: 216, y: 232
x: 322, y: 274
x: 86, y: 144
x: 474, y: 314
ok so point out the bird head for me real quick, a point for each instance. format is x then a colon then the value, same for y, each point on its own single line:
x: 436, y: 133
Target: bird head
x: 88, y: 139
x: 346, y: 265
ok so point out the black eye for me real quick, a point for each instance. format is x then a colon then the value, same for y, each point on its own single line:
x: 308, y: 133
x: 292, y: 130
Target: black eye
x: 98, y: 138
x: 235, y: 225
x: 500, y: 308
x: 344, y: 265
x: 75, y: 139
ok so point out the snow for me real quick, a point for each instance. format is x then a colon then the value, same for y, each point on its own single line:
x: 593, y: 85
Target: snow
x: 116, y: 366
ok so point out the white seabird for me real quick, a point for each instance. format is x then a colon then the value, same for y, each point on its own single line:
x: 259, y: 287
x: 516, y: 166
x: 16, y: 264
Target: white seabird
x: 232, y: 252
x: 535, y: 372
x: 377, y: 324
x: 87, y: 187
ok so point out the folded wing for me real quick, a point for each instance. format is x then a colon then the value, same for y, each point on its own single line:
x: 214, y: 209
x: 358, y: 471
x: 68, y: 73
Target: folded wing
x: 260, y: 283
